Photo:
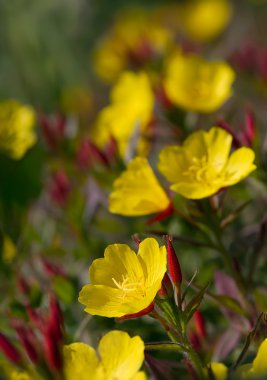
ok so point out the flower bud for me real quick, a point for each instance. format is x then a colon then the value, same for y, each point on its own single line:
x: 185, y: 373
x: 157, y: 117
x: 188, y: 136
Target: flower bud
x: 26, y: 337
x: 52, y: 350
x: 10, y: 352
x: 166, y: 290
x: 200, y: 324
x: 173, y: 263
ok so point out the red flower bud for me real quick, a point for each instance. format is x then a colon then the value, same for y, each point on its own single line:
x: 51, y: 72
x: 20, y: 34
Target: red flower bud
x: 10, y: 352
x: 141, y: 313
x: 173, y: 263
x: 89, y: 153
x: 27, y: 340
x: 60, y: 187
x: 52, y: 350
x: 200, y: 324
x: 55, y: 321
x: 166, y: 290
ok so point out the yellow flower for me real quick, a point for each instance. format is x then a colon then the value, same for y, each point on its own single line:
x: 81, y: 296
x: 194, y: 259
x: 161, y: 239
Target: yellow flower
x: 128, y: 114
x: 145, y: 36
x: 120, y: 358
x: 198, y: 85
x: 219, y: 370
x: 137, y: 191
x: 259, y: 365
x: 16, y: 128
x: 204, y: 20
x: 202, y: 165
x: 122, y: 282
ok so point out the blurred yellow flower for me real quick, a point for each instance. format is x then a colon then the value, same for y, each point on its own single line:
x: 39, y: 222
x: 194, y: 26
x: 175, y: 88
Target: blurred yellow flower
x: 219, y: 370
x: 16, y: 128
x: 120, y: 358
x: 204, y: 20
x: 202, y: 165
x: 129, y: 113
x: 9, y: 249
x: 198, y: 85
x: 145, y: 37
x: 122, y: 282
x: 137, y: 191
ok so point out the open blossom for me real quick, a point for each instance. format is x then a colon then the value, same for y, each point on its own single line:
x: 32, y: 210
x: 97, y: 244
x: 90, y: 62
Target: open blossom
x: 202, y: 165
x: 122, y: 282
x: 120, y: 358
x: 204, y: 20
x: 16, y: 128
x: 128, y: 114
x: 137, y: 191
x: 198, y: 85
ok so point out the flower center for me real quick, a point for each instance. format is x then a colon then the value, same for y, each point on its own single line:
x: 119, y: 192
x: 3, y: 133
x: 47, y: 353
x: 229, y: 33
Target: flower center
x: 131, y: 289
x: 202, y: 171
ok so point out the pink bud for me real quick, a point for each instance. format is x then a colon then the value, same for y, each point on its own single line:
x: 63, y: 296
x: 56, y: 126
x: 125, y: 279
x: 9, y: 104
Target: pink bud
x: 9, y: 350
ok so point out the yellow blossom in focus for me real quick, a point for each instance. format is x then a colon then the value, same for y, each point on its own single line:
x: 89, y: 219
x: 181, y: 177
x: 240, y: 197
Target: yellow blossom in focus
x: 120, y: 358
x: 122, y: 282
x: 128, y: 114
x: 16, y: 128
x: 204, y: 20
x: 144, y: 36
x: 219, y: 370
x: 202, y: 165
x: 198, y: 85
x: 137, y: 191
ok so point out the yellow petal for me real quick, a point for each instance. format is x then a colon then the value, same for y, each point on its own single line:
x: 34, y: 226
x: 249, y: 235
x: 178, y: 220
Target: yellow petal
x: 118, y: 259
x: 196, y: 190
x: 104, y: 301
x: 219, y: 370
x: 173, y: 162
x: 259, y: 366
x: 198, y: 85
x: 79, y: 361
x: 139, y: 376
x: 203, y: 20
x: 240, y: 165
x: 121, y: 355
x: 154, y: 261
x: 137, y: 191
x: 218, y: 143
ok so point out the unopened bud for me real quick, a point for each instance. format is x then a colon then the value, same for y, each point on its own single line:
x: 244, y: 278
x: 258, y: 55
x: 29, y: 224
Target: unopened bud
x: 166, y: 290
x: 200, y: 324
x: 52, y: 350
x: 173, y: 263
x: 26, y: 337
x: 10, y: 352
